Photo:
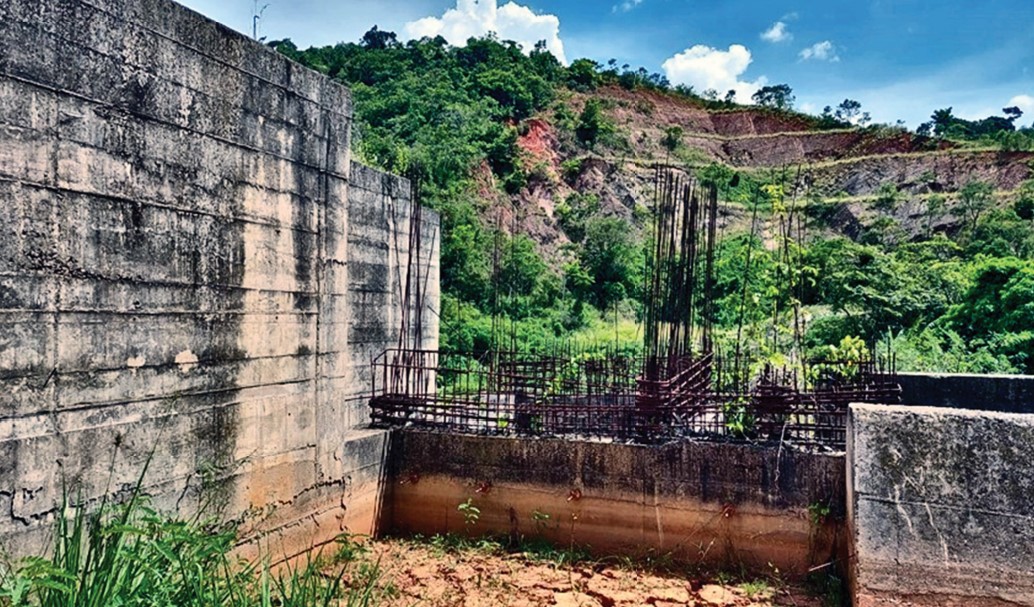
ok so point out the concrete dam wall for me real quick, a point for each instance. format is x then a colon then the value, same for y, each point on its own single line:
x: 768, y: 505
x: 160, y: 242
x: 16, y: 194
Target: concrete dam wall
x: 193, y: 273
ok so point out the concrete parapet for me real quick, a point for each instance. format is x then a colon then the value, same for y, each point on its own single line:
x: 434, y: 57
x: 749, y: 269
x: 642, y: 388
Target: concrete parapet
x: 941, y: 508
x: 1005, y: 393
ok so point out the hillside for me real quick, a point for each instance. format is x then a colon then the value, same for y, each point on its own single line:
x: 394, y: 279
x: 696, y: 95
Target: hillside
x: 847, y: 165
x: 544, y: 176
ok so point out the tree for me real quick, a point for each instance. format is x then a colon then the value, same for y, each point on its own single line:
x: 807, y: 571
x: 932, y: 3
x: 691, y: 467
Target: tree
x: 850, y: 110
x: 611, y: 256
x: 377, y: 39
x: 779, y: 96
x: 583, y: 75
x: 512, y: 92
x: 1012, y: 113
x: 888, y: 196
x: 942, y: 121
x: 934, y: 207
x: 519, y: 273
x: 1024, y: 205
x: 672, y: 138
x: 975, y: 198
x: 592, y: 123
x: 999, y: 307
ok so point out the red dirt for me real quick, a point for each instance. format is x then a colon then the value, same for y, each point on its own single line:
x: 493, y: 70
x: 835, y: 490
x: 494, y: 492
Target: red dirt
x: 539, y: 142
x: 419, y: 573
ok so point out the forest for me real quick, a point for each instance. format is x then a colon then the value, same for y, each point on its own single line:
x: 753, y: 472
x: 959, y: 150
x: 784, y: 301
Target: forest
x: 939, y: 266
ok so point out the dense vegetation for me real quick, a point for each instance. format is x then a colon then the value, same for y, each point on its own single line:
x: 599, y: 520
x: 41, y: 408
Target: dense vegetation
x: 130, y: 554
x: 954, y: 293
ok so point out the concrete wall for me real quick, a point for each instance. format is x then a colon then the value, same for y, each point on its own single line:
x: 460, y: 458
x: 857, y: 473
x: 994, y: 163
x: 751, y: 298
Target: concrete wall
x: 941, y: 506
x: 190, y: 266
x: 1004, y: 393
x: 729, y: 505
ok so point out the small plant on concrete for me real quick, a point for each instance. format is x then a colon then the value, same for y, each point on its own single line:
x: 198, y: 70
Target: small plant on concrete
x: 818, y: 512
x: 471, y: 513
x: 541, y: 519
x: 738, y: 420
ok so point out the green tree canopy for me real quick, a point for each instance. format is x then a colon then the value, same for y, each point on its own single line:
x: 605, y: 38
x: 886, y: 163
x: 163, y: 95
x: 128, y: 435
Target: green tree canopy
x: 779, y: 96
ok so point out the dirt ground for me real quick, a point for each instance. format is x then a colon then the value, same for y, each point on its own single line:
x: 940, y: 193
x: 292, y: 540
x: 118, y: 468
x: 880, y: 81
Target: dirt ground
x: 435, y: 573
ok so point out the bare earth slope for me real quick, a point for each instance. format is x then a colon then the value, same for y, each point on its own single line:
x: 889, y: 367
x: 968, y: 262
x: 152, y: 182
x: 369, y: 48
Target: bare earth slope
x: 841, y: 163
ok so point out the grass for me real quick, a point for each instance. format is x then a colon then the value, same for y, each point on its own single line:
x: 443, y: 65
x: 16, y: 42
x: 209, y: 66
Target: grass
x: 533, y: 549
x: 129, y: 554
x: 755, y: 588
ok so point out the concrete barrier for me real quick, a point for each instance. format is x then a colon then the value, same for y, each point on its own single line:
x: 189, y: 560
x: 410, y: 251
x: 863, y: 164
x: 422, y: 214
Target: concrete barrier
x: 1004, y: 393
x: 941, y: 506
x: 727, y: 505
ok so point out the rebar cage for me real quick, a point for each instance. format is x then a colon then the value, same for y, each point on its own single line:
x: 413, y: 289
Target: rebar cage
x: 613, y: 396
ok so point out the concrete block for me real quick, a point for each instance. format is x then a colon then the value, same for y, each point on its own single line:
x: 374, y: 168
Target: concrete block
x: 937, y: 499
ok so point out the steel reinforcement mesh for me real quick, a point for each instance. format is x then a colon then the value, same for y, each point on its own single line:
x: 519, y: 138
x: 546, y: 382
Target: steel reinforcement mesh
x: 624, y: 398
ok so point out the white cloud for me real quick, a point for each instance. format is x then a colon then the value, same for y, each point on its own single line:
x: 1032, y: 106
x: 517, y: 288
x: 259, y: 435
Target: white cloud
x: 777, y: 33
x: 512, y: 21
x: 821, y: 51
x: 626, y: 6
x: 1024, y: 102
x: 703, y: 67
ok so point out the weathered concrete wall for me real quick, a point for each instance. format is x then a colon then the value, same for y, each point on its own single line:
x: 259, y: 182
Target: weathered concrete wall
x: 1004, y: 393
x: 701, y: 503
x: 190, y: 265
x: 941, y: 506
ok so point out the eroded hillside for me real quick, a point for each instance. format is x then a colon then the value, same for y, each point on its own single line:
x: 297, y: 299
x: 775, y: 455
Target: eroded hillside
x: 846, y: 166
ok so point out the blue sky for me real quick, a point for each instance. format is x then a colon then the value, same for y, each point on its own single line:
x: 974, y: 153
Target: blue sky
x: 900, y: 58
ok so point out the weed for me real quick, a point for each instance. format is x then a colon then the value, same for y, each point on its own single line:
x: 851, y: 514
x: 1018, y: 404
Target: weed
x: 541, y: 520
x: 471, y: 513
x: 452, y: 543
x: 542, y: 550
x: 818, y: 513
x: 131, y: 554
x: 755, y: 588
x: 724, y: 578
x: 350, y: 548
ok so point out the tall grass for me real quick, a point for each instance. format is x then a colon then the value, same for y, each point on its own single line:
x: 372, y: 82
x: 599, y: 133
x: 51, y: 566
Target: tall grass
x: 131, y: 555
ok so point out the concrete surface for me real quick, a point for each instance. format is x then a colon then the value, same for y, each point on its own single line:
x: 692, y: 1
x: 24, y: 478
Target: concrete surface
x: 941, y: 506
x: 1004, y: 393
x: 192, y: 266
x: 717, y: 504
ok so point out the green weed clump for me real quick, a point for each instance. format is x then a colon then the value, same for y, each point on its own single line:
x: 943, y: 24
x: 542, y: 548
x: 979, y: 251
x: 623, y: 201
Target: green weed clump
x: 130, y: 554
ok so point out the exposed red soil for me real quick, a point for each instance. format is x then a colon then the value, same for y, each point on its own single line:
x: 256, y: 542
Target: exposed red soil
x: 420, y: 574
x: 539, y: 143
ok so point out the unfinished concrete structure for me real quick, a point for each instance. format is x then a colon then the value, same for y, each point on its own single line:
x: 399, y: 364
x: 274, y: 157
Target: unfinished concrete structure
x: 192, y: 270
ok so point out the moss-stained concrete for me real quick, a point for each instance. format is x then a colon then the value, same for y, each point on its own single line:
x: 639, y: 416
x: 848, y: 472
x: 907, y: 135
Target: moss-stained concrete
x: 192, y: 270
x: 704, y: 503
x: 941, y: 506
